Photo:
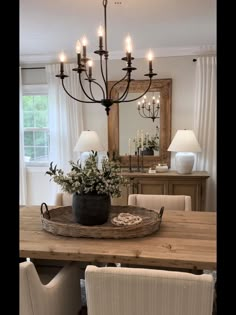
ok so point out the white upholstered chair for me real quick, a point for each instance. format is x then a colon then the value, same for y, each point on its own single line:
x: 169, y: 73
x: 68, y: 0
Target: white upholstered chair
x: 155, y: 202
x: 61, y: 296
x: 136, y: 291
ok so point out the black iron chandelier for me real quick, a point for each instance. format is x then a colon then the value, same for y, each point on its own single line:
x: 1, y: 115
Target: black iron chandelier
x: 84, y: 65
x: 149, y: 109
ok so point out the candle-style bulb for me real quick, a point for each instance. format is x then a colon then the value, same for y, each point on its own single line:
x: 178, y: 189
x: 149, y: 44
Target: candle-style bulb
x: 78, y: 51
x: 90, y: 64
x: 150, y: 57
x: 78, y: 47
x: 84, y: 41
x: 84, y: 44
x: 100, y: 34
x: 128, y: 44
x: 62, y: 57
x: 100, y: 31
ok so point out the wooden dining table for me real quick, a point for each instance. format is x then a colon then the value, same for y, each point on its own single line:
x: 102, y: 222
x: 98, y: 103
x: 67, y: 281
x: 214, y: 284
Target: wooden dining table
x: 186, y: 239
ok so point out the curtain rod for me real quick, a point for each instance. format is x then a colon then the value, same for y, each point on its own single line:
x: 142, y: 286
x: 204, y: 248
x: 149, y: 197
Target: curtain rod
x: 33, y: 68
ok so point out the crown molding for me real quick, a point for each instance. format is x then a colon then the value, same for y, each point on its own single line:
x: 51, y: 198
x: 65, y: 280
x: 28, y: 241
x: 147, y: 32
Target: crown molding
x: 158, y: 52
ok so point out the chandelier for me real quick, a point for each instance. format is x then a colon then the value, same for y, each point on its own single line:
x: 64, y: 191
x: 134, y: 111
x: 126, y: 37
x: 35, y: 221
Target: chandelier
x: 84, y: 65
x: 149, y: 109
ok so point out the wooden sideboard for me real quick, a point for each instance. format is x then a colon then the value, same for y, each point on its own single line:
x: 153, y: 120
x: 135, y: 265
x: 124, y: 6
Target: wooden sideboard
x: 169, y: 183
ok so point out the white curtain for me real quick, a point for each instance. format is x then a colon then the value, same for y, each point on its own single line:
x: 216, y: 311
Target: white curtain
x: 65, y: 115
x: 22, y: 168
x: 205, y: 123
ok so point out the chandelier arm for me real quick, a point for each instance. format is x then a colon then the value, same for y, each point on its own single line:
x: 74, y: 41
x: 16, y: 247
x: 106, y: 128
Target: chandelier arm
x: 99, y: 86
x: 124, y: 95
x: 118, y: 83
x: 90, y: 89
x: 85, y: 93
x: 156, y: 112
x: 142, y: 115
x: 76, y: 99
x: 135, y: 99
x: 145, y: 113
x: 102, y: 73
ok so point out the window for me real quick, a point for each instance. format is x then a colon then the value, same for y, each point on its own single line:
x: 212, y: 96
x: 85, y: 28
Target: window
x: 36, y: 127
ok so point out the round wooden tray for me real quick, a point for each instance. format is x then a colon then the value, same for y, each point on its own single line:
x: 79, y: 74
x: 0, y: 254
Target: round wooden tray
x: 59, y: 221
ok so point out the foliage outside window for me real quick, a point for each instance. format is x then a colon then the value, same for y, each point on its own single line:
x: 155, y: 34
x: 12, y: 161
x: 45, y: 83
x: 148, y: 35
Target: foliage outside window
x: 36, y: 128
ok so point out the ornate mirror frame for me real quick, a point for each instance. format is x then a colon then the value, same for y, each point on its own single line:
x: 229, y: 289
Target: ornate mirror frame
x: 164, y: 86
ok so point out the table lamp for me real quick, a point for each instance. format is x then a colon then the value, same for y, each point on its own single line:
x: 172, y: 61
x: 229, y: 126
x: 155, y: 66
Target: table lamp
x: 88, y: 141
x: 185, y: 144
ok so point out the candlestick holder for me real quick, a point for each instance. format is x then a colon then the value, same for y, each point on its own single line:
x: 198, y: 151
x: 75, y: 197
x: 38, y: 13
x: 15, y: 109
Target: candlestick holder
x: 138, y: 168
x: 142, y: 169
x: 130, y: 166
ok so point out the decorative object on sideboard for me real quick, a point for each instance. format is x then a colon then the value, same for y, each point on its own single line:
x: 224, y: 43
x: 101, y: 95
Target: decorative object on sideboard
x: 91, y: 188
x: 146, y: 143
x: 185, y: 144
x: 88, y: 141
x: 84, y: 65
x: 161, y: 168
x: 147, y: 109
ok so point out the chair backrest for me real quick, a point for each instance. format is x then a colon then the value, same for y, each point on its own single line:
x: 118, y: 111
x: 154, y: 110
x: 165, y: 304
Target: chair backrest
x: 63, y: 199
x: 128, y: 291
x: 61, y: 296
x: 155, y: 202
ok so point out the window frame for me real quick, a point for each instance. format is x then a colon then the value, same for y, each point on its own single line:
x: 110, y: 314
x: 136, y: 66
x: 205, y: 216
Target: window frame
x: 36, y: 89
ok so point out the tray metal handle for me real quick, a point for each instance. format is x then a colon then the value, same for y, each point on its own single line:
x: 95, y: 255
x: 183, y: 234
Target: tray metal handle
x: 41, y: 209
x: 161, y: 213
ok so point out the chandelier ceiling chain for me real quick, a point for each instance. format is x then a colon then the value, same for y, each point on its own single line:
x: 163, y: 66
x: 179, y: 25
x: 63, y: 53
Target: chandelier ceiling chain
x: 84, y: 65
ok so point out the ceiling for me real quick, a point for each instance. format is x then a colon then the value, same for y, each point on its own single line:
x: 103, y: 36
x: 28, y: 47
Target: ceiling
x: 168, y: 27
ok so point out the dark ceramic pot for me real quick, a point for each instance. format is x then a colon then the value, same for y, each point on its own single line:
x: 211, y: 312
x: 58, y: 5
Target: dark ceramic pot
x: 90, y: 209
x: 148, y: 152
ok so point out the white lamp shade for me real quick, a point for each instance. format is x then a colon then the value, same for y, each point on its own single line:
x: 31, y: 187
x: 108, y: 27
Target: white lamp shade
x: 88, y: 141
x: 184, y: 141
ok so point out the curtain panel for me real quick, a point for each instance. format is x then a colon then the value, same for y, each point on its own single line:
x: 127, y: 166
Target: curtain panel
x: 22, y: 168
x: 65, y: 115
x: 205, y: 123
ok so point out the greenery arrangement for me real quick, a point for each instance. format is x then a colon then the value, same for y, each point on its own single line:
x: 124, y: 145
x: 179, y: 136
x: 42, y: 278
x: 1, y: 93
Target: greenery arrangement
x: 152, y: 143
x: 149, y: 142
x: 90, y: 179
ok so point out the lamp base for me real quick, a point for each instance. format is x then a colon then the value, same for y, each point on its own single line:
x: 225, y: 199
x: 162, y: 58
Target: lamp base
x: 184, y: 162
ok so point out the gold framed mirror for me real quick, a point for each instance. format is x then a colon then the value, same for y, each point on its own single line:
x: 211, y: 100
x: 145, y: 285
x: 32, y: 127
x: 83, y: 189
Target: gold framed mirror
x: 117, y: 130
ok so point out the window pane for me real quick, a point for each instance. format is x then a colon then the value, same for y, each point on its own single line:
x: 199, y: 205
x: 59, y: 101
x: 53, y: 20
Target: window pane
x: 40, y: 138
x: 36, y: 143
x: 29, y: 151
x: 28, y: 119
x: 40, y: 102
x: 28, y: 102
x: 41, y: 154
x: 41, y: 119
x: 28, y: 138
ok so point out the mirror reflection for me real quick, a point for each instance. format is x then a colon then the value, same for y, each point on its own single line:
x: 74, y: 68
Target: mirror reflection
x: 129, y: 132
x: 142, y: 132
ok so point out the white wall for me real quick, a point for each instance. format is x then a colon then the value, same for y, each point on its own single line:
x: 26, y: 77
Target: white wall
x: 180, y: 69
